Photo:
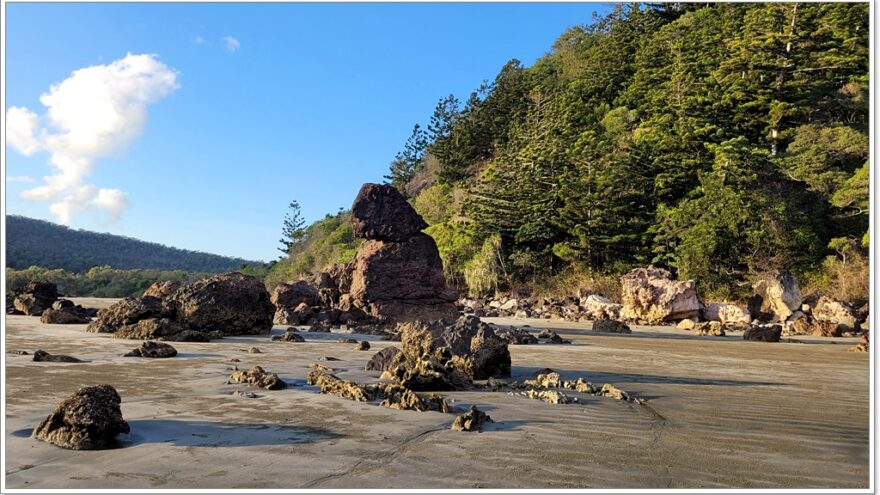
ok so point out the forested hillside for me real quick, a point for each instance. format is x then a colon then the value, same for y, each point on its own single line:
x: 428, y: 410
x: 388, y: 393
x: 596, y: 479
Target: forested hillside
x: 31, y: 242
x: 718, y: 140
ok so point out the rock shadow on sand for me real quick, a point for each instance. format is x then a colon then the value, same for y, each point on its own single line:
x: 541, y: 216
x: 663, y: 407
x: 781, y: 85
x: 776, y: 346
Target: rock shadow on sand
x: 192, y: 433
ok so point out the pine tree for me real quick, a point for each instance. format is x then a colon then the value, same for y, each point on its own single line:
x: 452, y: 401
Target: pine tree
x: 293, y: 232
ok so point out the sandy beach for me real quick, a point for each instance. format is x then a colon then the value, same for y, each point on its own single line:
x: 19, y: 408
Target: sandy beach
x: 721, y: 412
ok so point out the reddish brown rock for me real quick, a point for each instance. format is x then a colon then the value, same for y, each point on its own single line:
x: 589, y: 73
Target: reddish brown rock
x: 402, y: 281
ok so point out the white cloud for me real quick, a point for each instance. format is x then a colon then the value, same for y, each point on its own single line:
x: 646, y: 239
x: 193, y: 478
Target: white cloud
x: 199, y: 40
x: 232, y: 44
x: 20, y: 178
x: 21, y: 127
x: 97, y: 111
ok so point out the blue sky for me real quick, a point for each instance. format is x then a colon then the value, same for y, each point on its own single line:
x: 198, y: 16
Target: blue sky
x: 314, y: 101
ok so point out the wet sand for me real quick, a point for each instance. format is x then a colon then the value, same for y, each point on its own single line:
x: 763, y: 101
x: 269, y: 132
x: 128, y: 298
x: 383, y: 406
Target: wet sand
x: 721, y: 413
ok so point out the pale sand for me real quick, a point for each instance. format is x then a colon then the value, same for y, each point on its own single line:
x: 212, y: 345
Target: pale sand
x: 722, y: 413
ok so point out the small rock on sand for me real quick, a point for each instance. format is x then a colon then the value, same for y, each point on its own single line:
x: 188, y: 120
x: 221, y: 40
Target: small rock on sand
x: 44, y: 356
x: 363, y: 346
x: 473, y: 420
x: 152, y: 349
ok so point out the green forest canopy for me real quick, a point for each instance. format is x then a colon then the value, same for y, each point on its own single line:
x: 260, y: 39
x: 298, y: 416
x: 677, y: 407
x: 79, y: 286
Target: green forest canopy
x: 719, y: 140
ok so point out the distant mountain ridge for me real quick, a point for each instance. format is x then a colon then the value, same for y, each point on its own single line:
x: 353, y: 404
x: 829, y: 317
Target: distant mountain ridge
x: 32, y: 242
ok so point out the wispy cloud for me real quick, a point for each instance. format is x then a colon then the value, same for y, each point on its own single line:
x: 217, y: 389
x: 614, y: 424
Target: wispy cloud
x: 20, y: 178
x: 199, y: 40
x: 97, y: 111
x: 232, y: 44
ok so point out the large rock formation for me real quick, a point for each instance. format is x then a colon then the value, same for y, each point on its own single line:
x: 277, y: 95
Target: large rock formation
x: 229, y: 303
x: 396, y: 276
x: 650, y: 294
x: 35, y: 297
x: 777, y: 296
x: 87, y: 420
x: 225, y: 304
x: 397, y: 273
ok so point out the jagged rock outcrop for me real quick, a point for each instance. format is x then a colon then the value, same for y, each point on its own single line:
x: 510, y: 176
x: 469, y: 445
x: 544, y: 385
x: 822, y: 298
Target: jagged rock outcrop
x: 472, y: 420
x: 383, y: 360
x: 163, y: 290
x: 152, y: 349
x: 777, y: 296
x: 258, y: 377
x: 651, y: 295
x: 35, y: 297
x: 832, y: 310
x: 436, y: 353
x: 596, y: 307
x: 89, y: 419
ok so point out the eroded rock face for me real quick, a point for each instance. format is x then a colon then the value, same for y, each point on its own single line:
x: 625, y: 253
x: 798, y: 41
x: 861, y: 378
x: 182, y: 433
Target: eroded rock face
x: 468, y: 345
x: 473, y: 420
x: 770, y: 333
x: 383, y: 360
x: 832, y: 310
x: 807, y: 325
x: 87, y: 420
x: 163, y: 290
x: 331, y: 384
x: 728, y: 314
x: 380, y: 212
x: 292, y: 295
x: 35, y: 297
x: 650, y: 294
x: 229, y: 303
x: 598, y: 307
x: 127, y: 312
x: 152, y: 349
x: 611, y: 326
x: 778, y: 294
x: 402, y: 281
